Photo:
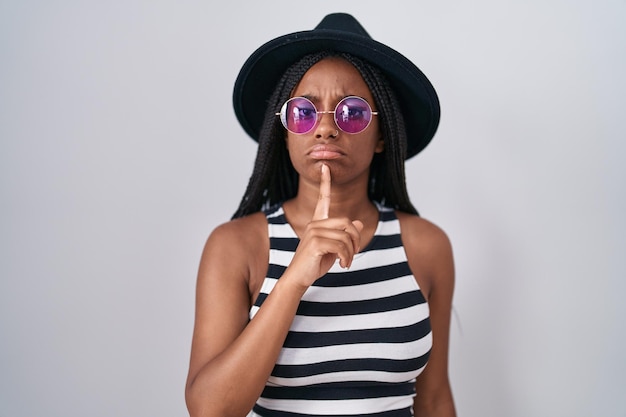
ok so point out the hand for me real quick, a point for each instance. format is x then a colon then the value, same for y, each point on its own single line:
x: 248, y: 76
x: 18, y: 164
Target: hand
x: 325, y: 239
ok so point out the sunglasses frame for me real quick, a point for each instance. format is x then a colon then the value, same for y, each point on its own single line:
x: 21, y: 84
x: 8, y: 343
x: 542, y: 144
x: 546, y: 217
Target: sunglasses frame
x: 283, y: 117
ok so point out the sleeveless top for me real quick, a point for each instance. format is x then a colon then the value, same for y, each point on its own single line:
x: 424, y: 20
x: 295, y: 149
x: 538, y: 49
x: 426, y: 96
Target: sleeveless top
x: 360, y: 337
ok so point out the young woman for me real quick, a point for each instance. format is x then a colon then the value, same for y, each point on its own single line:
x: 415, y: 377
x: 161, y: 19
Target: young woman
x: 326, y: 294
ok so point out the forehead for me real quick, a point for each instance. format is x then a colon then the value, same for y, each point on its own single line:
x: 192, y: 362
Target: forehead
x: 332, y: 78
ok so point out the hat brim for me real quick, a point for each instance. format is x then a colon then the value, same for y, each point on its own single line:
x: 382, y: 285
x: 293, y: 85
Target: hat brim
x: 263, y: 69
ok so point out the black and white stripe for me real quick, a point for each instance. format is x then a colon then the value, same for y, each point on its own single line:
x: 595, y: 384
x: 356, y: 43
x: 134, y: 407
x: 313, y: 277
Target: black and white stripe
x: 360, y: 336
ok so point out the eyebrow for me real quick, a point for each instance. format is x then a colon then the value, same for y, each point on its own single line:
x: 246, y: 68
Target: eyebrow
x: 316, y: 99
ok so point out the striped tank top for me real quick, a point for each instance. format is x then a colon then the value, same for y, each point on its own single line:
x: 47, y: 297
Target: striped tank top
x: 360, y: 337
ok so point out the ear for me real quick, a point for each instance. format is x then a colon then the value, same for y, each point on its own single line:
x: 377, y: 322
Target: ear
x: 380, y: 146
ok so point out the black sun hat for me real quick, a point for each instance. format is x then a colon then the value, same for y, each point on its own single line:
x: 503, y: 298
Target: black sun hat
x: 338, y: 32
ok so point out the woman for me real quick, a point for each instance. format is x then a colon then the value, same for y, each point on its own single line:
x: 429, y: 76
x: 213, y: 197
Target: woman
x: 326, y: 294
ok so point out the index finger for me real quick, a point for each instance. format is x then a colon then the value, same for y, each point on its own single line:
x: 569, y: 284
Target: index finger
x: 323, y: 203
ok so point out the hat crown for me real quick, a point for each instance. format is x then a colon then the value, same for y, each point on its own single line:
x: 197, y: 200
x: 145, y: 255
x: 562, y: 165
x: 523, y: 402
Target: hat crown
x: 343, y: 22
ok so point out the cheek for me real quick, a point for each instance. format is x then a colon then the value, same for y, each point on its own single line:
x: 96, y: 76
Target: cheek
x: 292, y: 148
x: 291, y: 143
x: 380, y: 146
x: 378, y: 143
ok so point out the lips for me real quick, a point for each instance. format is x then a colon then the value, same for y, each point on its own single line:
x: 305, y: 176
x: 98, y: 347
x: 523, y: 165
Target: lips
x: 325, y: 152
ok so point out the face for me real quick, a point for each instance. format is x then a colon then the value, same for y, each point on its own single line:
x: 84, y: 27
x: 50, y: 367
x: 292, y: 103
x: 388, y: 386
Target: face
x: 348, y: 155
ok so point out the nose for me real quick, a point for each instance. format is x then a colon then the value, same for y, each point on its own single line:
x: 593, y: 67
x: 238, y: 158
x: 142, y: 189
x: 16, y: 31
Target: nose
x: 326, y: 126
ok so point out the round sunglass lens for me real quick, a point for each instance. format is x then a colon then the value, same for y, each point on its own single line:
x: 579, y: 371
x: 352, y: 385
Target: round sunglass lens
x: 353, y: 114
x: 298, y: 115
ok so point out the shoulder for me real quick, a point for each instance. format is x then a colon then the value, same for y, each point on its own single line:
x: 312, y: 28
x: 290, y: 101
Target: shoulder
x: 421, y: 233
x: 428, y: 249
x: 238, y: 246
x: 241, y: 231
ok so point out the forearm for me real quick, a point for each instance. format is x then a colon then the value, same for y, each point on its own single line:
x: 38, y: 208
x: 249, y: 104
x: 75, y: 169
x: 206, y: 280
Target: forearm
x: 230, y: 383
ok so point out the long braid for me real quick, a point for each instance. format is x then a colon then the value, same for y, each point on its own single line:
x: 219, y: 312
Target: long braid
x: 387, y: 174
x: 274, y: 179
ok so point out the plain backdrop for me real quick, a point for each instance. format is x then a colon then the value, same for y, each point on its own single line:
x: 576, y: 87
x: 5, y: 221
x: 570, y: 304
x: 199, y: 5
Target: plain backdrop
x: 120, y: 152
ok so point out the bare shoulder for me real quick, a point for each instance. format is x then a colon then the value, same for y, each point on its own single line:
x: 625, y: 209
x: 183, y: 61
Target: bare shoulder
x: 429, y: 251
x: 239, y: 234
x: 421, y: 234
x: 237, y: 249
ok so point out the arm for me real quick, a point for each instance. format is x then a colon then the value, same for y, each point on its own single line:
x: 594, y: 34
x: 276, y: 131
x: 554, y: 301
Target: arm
x: 231, y: 357
x: 430, y: 258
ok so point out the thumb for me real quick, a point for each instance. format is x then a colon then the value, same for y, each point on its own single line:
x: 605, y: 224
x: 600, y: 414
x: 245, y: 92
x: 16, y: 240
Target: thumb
x: 357, y: 243
x: 358, y: 224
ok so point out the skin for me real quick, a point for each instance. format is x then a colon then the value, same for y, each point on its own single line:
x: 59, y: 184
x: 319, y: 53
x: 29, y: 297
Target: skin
x: 232, y: 357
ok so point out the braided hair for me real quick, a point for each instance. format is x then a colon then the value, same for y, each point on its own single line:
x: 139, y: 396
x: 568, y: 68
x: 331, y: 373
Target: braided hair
x: 274, y: 179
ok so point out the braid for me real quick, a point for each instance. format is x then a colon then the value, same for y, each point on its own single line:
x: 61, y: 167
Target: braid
x: 387, y: 174
x: 274, y: 180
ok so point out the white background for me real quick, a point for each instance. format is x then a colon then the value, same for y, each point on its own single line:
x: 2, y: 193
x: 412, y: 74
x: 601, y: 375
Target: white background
x: 120, y: 152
